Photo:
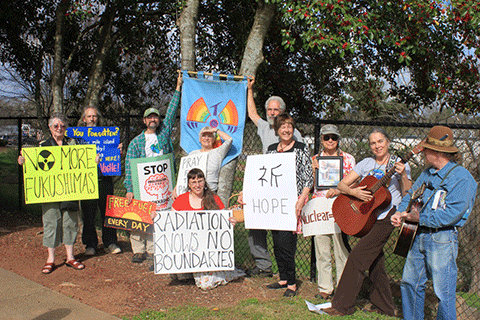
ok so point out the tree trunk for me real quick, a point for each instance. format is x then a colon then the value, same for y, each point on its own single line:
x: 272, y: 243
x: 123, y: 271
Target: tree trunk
x: 57, y: 72
x: 252, y: 57
x: 97, y: 75
x: 187, y: 23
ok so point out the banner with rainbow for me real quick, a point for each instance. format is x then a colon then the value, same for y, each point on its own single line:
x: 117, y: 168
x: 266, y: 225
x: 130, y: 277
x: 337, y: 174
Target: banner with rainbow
x: 216, y: 103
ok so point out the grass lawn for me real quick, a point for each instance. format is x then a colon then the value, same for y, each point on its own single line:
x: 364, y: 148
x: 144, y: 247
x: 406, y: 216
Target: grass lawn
x: 285, y: 308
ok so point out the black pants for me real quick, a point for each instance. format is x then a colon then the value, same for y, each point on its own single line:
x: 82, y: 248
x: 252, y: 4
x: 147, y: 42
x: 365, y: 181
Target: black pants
x: 284, y: 247
x: 89, y: 210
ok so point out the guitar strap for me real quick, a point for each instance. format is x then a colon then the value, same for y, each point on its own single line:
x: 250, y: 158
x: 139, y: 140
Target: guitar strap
x: 390, y: 164
x: 436, y: 189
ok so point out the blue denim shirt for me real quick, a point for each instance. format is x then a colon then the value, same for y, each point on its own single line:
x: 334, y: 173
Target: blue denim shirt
x: 460, y: 188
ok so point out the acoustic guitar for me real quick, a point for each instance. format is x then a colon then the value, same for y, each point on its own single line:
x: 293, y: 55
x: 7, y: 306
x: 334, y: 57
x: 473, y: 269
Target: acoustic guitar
x: 409, y: 228
x: 357, y: 217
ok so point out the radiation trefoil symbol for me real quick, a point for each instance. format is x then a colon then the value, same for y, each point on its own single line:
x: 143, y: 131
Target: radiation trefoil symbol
x: 45, y: 160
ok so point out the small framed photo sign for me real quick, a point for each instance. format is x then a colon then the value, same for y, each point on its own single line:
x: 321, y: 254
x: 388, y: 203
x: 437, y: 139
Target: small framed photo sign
x: 329, y: 172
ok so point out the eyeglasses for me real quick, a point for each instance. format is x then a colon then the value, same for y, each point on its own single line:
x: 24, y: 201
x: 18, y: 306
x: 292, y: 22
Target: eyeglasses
x: 327, y: 137
x: 56, y: 126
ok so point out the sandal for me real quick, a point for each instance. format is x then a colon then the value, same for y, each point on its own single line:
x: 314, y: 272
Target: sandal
x: 75, y: 264
x: 48, y: 268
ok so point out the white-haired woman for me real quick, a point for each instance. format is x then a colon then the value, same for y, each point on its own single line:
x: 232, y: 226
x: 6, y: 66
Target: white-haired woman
x: 59, y: 218
x: 208, y: 137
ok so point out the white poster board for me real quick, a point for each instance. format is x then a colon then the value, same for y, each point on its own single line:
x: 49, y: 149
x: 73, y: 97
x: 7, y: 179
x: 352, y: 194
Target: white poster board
x: 317, y: 217
x: 188, y: 163
x: 270, y: 192
x: 193, y: 241
x: 153, y: 180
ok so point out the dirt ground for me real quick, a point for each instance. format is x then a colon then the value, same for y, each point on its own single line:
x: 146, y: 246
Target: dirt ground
x: 112, y: 283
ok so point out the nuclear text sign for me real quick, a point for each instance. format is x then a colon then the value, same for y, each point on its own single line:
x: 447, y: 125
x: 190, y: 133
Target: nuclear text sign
x: 317, y: 217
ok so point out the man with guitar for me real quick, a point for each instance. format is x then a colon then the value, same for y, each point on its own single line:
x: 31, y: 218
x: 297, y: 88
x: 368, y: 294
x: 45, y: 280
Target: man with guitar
x: 367, y: 255
x: 448, y: 199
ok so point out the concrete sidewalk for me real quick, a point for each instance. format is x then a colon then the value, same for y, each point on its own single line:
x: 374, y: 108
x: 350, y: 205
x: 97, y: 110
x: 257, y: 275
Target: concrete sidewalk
x: 24, y: 299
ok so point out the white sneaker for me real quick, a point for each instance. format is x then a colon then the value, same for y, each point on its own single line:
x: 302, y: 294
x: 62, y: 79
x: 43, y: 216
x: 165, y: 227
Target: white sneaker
x: 90, y: 251
x: 114, y: 249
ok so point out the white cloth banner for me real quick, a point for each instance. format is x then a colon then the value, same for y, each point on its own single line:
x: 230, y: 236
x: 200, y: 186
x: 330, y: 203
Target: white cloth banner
x: 188, y: 163
x: 270, y: 192
x: 193, y: 241
x: 317, y: 217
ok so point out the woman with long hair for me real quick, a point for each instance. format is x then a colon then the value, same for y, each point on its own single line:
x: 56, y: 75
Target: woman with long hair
x: 367, y: 256
x: 200, y: 197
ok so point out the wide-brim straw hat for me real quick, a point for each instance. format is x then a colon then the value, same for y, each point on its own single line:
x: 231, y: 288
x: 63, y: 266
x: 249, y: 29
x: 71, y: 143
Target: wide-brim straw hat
x: 439, y: 138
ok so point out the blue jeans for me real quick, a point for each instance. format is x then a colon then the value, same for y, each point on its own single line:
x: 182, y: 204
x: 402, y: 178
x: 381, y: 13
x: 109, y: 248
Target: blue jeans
x: 433, y: 255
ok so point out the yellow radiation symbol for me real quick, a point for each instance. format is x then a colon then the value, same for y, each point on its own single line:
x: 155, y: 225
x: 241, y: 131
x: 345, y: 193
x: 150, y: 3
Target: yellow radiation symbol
x: 45, y: 160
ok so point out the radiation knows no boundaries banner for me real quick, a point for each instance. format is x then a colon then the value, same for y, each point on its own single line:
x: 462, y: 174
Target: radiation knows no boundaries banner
x: 60, y: 173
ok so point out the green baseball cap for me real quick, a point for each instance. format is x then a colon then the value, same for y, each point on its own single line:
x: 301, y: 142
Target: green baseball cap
x: 149, y: 111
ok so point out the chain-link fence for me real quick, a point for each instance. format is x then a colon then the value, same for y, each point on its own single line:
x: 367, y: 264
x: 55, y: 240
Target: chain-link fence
x: 404, y: 136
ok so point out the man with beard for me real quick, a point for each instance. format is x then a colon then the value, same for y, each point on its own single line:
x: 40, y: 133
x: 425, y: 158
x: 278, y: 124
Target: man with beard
x: 257, y: 239
x: 91, y: 117
x: 153, y: 141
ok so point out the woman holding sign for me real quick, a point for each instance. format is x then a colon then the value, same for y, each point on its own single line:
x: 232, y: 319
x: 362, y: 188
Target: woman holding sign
x: 285, y: 242
x: 367, y: 256
x: 208, y: 137
x: 200, y: 197
x: 59, y: 218
x: 329, y: 138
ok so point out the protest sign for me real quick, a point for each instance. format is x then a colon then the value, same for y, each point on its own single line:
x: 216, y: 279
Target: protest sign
x: 188, y: 163
x: 193, y: 241
x: 107, y: 140
x: 60, y: 173
x: 135, y: 217
x: 317, y: 217
x: 270, y: 192
x: 153, y: 180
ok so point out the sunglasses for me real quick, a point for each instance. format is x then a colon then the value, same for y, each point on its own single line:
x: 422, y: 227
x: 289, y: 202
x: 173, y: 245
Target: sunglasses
x: 327, y: 137
x: 56, y: 126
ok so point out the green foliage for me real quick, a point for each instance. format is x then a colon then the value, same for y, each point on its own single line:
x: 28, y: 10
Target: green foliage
x: 438, y: 45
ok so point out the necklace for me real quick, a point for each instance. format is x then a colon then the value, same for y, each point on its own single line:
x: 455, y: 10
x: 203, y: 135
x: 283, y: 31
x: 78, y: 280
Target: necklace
x: 387, y: 156
x: 282, y: 149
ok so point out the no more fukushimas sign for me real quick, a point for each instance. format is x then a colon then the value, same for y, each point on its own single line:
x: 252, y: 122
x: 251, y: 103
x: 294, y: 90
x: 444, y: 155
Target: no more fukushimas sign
x: 60, y: 173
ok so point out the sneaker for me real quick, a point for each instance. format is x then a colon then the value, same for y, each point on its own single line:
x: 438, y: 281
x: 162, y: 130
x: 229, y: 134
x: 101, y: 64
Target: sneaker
x: 114, y: 249
x: 138, y: 257
x: 257, y: 272
x: 90, y: 251
x: 149, y: 256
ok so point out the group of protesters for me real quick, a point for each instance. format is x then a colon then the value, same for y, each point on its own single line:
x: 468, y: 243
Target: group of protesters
x: 447, y: 202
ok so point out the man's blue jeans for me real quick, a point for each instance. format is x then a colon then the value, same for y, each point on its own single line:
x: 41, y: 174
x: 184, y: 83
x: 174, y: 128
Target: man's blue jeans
x: 433, y: 255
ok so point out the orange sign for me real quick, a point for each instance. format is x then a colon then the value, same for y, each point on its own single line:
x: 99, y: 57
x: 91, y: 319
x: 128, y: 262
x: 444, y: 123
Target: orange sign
x: 135, y: 217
